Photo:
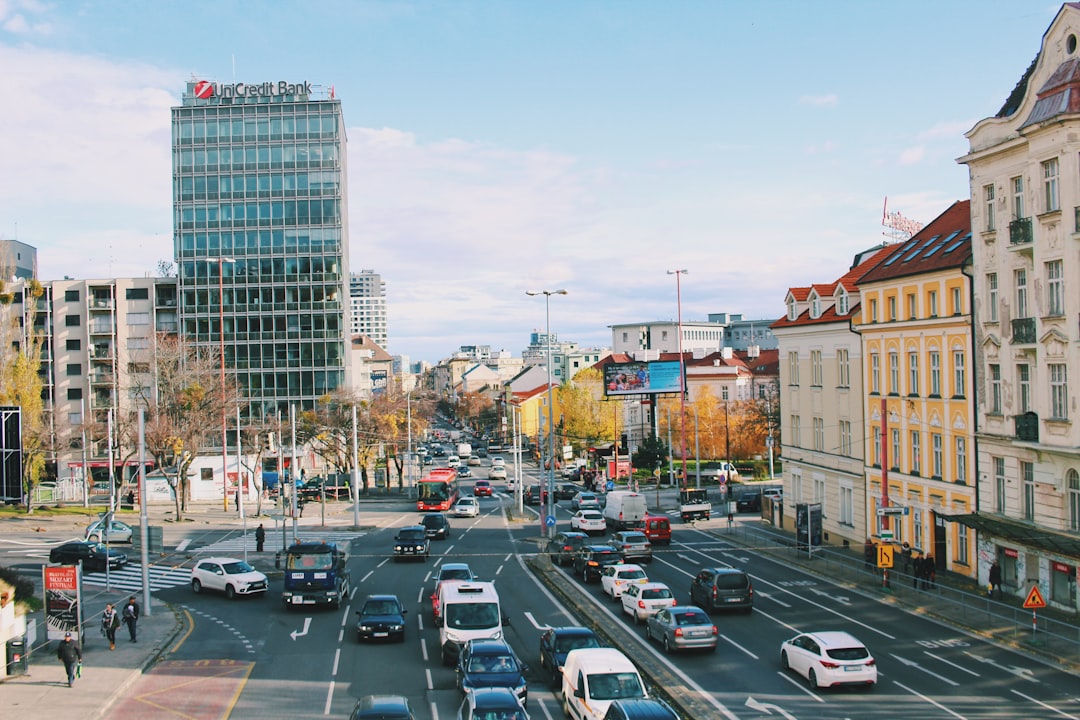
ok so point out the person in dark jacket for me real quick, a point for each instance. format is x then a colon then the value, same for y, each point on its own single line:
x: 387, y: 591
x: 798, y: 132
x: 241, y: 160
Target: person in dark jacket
x: 110, y: 623
x: 130, y: 616
x: 70, y: 654
x: 995, y: 579
x: 260, y: 538
x: 916, y: 570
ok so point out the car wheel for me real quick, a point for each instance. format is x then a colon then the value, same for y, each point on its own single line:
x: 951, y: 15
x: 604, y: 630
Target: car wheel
x: 667, y: 645
x: 637, y: 618
x: 196, y: 586
x: 648, y: 631
x: 811, y: 679
x: 784, y: 661
x: 230, y: 592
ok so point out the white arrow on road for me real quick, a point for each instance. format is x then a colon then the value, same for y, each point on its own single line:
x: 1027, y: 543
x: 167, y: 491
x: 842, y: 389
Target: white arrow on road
x: 767, y: 708
x: 307, y: 624
x: 912, y: 663
x: 1017, y: 671
x: 838, y: 598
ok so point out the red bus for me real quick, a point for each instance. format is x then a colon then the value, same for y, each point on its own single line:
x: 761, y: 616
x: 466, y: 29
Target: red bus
x: 438, y: 490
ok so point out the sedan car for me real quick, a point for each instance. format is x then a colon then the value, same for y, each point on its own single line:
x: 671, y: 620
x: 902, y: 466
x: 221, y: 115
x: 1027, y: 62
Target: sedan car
x: 826, y: 659
x: 482, y: 488
x: 464, y: 471
x: 642, y: 600
x: 640, y: 709
x: 382, y: 707
x: 466, y: 507
x: 381, y: 617
x: 228, y: 575
x: 585, y: 501
x: 491, y: 663
x: 493, y: 702
x: 497, y: 473
x: 562, y: 547
x: 411, y: 542
x: 632, y: 545
x: 682, y: 627
x: 591, y: 560
x: 113, y: 532
x: 497, y: 461
x: 749, y: 501
x: 615, y: 578
x: 566, y: 491
x: 534, y: 495
x: 436, y: 525
x: 589, y: 521
x: 557, y: 642
x: 93, y: 555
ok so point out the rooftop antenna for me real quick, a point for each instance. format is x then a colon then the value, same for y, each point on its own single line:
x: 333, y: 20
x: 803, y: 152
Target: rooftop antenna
x: 897, y: 227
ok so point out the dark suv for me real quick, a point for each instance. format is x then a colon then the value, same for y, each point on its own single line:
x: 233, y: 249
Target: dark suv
x: 436, y: 525
x: 591, y: 560
x: 411, y: 542
x: 533, y: 495
x: 562, y: 547
x: 715, y: 588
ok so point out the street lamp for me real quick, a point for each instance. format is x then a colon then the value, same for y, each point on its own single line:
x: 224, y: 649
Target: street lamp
x: 682, y: 373
x: 221, y: 260
x: 551, y: 407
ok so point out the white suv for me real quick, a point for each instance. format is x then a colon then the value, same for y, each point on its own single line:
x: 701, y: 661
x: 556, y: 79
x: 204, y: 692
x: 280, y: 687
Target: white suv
x: 228, y: 575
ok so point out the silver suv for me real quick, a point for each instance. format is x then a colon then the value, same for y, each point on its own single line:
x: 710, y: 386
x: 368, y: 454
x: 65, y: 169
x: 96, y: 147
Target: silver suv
x: 633, y: 545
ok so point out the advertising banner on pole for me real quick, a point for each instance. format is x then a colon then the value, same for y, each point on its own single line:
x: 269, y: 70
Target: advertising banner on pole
x: 63, y: 601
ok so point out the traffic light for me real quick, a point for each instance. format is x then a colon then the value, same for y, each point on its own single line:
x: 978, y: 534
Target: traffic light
x: 623, y: 443
x: 269, y: 443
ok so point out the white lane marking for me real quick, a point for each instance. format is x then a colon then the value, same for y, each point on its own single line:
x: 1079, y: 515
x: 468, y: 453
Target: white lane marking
x: 530, y: 618
x: 183, y: 544
x: 933, y: 702
x: 949, y: 662
x: 917, y: 666
x: 800, y: 686
x: 329, y: 698
x: 307, y: 624
x: 1048, y: 707
x: 740, y: 647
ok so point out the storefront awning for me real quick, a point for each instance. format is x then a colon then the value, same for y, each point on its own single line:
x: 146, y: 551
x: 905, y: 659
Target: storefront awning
x: 1021, y: 533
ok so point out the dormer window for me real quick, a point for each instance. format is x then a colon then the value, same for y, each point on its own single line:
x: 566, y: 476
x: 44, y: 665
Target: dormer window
x: 842, y: 304
x: 791, y: 312
x: 815, y: 306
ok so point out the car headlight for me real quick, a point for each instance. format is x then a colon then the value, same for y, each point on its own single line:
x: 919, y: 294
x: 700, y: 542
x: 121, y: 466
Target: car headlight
x: 365, y: 628
x: 452, y: 637
x: 396, y: 628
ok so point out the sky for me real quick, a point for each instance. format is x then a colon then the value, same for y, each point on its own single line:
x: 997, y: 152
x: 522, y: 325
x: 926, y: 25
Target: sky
x: 498, y: 147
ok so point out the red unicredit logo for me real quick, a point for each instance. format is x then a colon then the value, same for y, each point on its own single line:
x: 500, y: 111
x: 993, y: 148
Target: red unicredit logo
x: 204, y: 89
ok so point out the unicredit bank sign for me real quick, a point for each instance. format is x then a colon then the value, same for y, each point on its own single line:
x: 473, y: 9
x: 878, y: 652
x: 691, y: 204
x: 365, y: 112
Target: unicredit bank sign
x: 205, y: 89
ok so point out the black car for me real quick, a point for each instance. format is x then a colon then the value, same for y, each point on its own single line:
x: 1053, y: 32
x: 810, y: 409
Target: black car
x: 591, y: 560
x: 382, y: 707
x: 491, y: 663
x: 557, y: 642
x: 436, y: 525
x: 438, y: 451
x: 640, y: 709
x: 566, y: 491
x: 749, y: 501
x: 381, y: 617
x: 563, y: 546
x: 92, y: 554
x: 464, y: 471
x: 722, y: 587
x: 411, y: 542
x: 533, y: 495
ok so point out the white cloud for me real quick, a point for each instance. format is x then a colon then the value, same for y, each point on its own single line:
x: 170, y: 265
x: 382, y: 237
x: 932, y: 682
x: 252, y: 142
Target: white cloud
x: 947, y: 130
x: 828, y: 100
x: 912, y: 155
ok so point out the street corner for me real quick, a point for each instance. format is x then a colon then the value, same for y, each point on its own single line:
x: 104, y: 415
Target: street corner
x: 190, y: 689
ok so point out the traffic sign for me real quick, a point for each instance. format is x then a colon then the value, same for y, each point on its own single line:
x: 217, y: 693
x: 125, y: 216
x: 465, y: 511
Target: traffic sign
x: 893, y: 510
x: 1034, y: 599
x: 885, y: 535
x: 550, y: 521
x: 884, y: 556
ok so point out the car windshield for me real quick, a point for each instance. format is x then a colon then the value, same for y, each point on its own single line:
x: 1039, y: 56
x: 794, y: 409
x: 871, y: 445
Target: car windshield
x: 96, y: 547
x: 851, y: 653
x: 455, y: 574
x: 692, y: 618
x: 314, y: 561
x: 576, y: 642
x: 411, y: 534
x: 237, y: 568
x: 434, y: 521
x: 498, y: 714
x: 472, y: 616
x: 613, y: 686
x: 380, y: 607
x: 492, y: 664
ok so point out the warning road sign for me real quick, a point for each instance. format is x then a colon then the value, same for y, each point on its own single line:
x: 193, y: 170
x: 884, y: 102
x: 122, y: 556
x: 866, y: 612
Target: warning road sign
x: 884, y: 556
x: 1034, y: 599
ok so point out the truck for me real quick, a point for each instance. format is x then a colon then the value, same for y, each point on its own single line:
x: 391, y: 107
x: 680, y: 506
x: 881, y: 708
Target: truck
x: 316, y: 573
x: 694, y: 504
x: 624, y: 510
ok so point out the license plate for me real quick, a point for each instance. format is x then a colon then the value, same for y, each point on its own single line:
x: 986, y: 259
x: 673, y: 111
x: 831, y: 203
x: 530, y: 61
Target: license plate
x: 380, y: 634
x: 852, y: 668
x: 298, y: 601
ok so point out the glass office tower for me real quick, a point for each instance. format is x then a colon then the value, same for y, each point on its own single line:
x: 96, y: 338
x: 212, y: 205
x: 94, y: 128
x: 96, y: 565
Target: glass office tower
x: 261, y: 236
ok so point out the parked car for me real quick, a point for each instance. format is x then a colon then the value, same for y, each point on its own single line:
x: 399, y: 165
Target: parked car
x: 113, y: 532
x: 492, y: 702
x: 466, y: 507
x: 93, y: 555
x: 556, y: 642
x: 436, y: 526
x: 585, y: 501
x: 640, y: 600
x: 633, y: 545
x: 381, y: 617
x: 411, y: 542
x: 590, y: 560
x: 491, y: 663
x: 562, y: 547
x: 721, y: 587
x: 615, y: 578
x: 382, y: 707
x: 682, y: 627
x: 775, y: 492
x: 589, y: 521
x: 826, y: 659
x: 231, y: 576
x: 749, y: 501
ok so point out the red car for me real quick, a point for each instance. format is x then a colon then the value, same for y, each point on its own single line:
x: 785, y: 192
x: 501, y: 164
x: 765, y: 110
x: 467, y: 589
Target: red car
x: 482, y: 488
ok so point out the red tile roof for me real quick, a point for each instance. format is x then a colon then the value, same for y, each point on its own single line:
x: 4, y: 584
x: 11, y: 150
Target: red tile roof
x: 944, y: 243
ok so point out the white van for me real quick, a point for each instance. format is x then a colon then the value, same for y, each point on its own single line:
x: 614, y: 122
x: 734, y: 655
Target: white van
x: 469, y: 611
x: 593, y: 678
x: 625, y: 510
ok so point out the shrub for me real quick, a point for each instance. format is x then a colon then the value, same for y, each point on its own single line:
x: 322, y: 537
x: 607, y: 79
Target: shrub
x: 24, y: 586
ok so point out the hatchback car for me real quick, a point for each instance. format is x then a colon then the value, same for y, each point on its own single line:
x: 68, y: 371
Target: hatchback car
x: 749, y: 501
x: 482, y: 488
x: 562, y: 547
x: 566, y: 491
x: 640, y: 709
x: 591, y: 560
x: 436, y: 526
x: 464, y: 471
x: 556, y: 642
x: 491, y: 663
x: 228, y: 575
x: 715, y: 588
x: 93, y: 555
x: 497, y: 461
x: 411, y: 542
x: 645, y: 599
x: 829, y: 658
x: 381, y: 617
x: 534, y: 495
x: 589, y: 521
x: 113, y: 532
x: 585, y: 501
x: 493, y: 702
x: 633, y: 545
x: 466, y: 507
x: 382, y: 707
x: 682, y: 627
x: 615, y: 578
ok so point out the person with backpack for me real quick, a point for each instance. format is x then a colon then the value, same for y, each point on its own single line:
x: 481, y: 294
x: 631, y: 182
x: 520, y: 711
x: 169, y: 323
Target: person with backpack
x: 110, y: 623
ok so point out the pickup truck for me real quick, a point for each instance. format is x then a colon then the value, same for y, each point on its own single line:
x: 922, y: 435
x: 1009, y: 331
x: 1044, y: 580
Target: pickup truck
x: 694, y: 504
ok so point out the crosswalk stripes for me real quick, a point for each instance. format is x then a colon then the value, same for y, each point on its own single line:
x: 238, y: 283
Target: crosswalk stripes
x: 247, y: 542
x: 129, y: 577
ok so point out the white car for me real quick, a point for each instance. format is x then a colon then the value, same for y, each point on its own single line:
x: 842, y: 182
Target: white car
x: 826, y: 659
x: 615, y: 578
x: 497, y: 461
x: 641, y: 600
x: 466, y: 507
x: 497, y: 473
x: 118, y: 532
x: 588, y: 521
x: 510, y: 484
x: 228, y: 575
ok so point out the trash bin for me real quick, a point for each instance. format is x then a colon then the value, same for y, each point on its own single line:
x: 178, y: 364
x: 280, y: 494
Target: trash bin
x: 17, y: 662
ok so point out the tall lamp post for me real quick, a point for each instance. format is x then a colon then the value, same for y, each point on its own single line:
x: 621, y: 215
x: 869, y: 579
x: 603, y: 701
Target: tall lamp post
x: 550, y: 507
x: 221, y: 260
x: 682, y: 373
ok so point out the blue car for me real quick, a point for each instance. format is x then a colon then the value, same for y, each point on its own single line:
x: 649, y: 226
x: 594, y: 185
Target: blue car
x: 491, y: 663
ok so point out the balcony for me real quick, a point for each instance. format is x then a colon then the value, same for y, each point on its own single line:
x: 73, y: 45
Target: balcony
x: 1027, y: 427
x: 1020, y: 232
x: 1023, y: 331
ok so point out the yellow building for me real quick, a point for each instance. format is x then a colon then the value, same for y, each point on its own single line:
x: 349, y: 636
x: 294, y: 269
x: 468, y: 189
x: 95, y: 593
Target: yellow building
x: 917, y: 350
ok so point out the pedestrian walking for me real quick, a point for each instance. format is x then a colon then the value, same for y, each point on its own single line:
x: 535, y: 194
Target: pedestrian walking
x: 110, y: 623
x: 130, y: 617
x: 260, y: 538
x: 929, y: 572
x: 905, y: 557
x: 916, y: 567
x: 995, y: 579
x: 70, y: 654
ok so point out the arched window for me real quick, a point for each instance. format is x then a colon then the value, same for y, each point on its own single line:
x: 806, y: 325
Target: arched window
x: 1072, y: 481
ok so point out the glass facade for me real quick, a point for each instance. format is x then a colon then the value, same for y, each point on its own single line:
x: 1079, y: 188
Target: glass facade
x: 261, y: 239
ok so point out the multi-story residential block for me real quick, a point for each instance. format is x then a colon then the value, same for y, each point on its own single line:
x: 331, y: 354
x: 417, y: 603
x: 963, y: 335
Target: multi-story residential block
x: 662, y: 336
x: 916, y: 346
x: 1024, y: 167
x: 367, y: 304
x: 822, y: 427
x: 17, y: 259
x: 745, y: 335
x: 261, y: 237
x: 561, y: 352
